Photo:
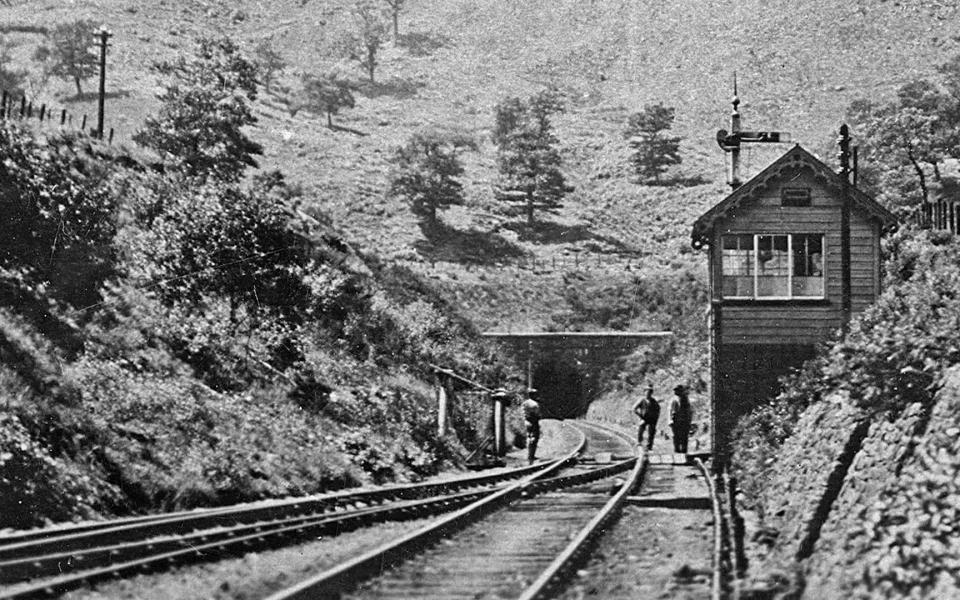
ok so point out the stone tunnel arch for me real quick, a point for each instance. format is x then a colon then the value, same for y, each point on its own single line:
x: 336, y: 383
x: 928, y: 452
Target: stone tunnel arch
x: 567, y: 366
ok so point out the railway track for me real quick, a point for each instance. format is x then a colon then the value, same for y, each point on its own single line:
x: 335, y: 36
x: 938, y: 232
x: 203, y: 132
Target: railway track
x: 519, y: 542
x: 95, y: 552
x: 566, y: 501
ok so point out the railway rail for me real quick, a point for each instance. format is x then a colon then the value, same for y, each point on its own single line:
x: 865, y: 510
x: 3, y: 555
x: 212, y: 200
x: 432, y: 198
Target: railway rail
x: 94, y: 552
x: 518, y: 533
x: 520, y: 541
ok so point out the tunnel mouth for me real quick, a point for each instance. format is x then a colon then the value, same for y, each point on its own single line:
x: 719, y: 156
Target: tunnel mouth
x: 560, y: 388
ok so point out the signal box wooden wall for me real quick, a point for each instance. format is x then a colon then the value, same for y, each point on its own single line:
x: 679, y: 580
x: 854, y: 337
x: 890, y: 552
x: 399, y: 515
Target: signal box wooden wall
x: 775, y: 276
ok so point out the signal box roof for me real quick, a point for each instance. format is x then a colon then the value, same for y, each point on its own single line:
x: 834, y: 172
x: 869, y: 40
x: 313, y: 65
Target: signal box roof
x: 795, y: 159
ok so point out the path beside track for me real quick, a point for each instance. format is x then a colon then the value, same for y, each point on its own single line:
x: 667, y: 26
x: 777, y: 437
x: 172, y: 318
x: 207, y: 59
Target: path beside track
x: 660, y: 547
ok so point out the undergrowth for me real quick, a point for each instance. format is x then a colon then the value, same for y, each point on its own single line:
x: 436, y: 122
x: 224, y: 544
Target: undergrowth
x: 226, y: 347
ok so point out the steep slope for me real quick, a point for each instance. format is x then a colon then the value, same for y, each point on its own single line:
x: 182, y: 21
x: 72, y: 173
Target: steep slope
x: 799, y: 65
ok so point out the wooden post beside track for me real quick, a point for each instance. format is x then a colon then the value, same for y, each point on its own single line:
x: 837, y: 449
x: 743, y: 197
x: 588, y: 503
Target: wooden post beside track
x: 499, y: 424
x: 443, y: 404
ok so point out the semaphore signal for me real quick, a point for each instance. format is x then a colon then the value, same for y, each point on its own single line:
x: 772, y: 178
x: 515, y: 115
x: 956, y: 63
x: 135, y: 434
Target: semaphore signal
x: 730, y: 141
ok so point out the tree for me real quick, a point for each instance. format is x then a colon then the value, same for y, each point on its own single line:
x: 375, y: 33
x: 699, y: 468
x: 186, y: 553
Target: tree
x: 363, y: 42
x: 204, y: 107
x: 899, y: 141
x: 217, y: 238
x: 426, y: 172
x: 528, y: 159
x: 327, y: 93
x: 653, y: 150
x: 70, y: 52
x: 395, y: 7
x: 269, y: 62
x: 903, y: 142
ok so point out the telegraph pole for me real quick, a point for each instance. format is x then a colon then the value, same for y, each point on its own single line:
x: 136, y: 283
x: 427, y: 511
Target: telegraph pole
x: 845, y: 280
x: 103, y: 36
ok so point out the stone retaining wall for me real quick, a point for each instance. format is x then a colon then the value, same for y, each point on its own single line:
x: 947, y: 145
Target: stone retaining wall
x: 805, y: 466
x: 867, y: 506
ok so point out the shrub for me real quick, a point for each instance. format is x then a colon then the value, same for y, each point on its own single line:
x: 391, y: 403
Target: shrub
x: 897, y: 348
x: 36, y: 487
x: 219, y: 239
x: 57, y: 214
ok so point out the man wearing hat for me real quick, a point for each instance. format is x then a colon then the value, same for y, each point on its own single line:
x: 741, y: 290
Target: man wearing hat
x: 681, y: 417
x: 531, y: 417
x: 648, y: 409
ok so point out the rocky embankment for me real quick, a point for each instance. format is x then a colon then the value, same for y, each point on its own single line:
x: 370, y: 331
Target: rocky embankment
x: 865, y: 505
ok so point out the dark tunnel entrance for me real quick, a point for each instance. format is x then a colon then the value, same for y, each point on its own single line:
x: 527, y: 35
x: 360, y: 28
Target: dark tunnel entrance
x: 567, y: 368
x: 560, y: 385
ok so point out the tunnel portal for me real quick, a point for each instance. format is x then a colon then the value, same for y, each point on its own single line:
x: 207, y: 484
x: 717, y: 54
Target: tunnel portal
x: 567, y: 366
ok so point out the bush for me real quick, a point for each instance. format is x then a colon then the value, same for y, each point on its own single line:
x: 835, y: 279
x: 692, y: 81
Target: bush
x: 175, y: 444
x: 37, y: 488
x: 57, y: 215
x: 896, y: 350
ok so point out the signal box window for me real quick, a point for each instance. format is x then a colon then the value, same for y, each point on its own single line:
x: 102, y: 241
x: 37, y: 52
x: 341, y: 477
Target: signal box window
x: 738, y: 266
x: 772, y: 266
x: 807, y: 266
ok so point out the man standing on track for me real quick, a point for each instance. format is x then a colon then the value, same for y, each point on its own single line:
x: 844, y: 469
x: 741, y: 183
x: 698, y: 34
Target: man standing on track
x: 531, y: 417
x: 648, y: 409
x: 681, y: 416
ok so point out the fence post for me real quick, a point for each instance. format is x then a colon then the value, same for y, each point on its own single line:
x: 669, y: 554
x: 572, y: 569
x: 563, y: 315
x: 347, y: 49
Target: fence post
x: 63, y: 116
x: 110, y: 139
x: 3, y: 105
x: 30, y: 110
x: 43, y: 111
x: 83, y: 124
x: 23, y: 106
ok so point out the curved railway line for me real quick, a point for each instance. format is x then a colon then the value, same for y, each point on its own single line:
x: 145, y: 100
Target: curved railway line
x: 516, y: 533
x: 519, y: 542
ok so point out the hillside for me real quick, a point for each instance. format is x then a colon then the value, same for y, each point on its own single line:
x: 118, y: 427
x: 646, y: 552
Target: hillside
x: 799, y: 65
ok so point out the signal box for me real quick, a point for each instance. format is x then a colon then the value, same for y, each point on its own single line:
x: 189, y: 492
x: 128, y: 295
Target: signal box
x: 794, y: 252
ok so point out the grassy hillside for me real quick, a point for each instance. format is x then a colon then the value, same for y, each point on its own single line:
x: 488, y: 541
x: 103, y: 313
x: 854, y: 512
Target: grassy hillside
x: 799, y: 65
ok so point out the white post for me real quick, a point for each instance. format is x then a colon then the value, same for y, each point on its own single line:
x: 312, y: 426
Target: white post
x: 529, y: 364
x: 499, y: 426
x: 442, y: 401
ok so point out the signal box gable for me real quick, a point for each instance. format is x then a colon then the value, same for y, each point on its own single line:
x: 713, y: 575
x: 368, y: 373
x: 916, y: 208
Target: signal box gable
x: 776, y: 276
